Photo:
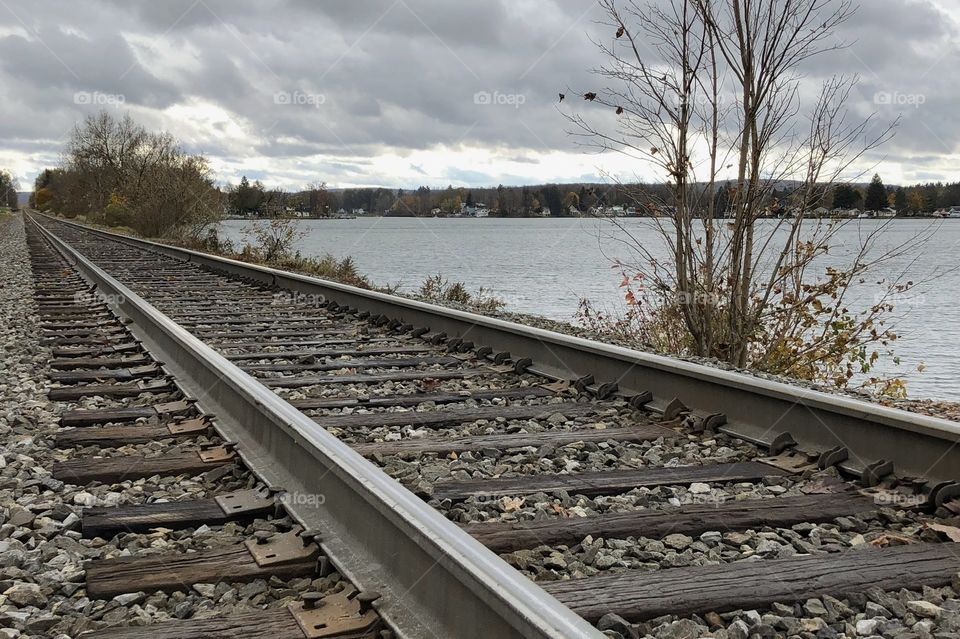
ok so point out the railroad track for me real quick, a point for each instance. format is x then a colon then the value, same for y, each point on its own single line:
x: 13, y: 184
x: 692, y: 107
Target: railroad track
x: 615, y: 506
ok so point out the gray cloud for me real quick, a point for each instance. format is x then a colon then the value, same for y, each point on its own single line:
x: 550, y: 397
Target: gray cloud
x: 376, y: 77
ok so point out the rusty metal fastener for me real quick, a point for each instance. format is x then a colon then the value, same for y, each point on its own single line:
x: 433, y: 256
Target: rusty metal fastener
x: 311, y: 600
x: 366, y: 598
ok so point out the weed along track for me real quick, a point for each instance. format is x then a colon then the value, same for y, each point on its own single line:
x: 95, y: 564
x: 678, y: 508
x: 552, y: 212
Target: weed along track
x: 280, y: 445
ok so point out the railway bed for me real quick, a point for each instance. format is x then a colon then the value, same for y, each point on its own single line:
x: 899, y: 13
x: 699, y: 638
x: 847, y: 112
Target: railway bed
x: 612, y: 509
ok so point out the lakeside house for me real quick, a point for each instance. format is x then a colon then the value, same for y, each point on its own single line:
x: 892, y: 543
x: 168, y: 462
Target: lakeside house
x: 476, y: 210
x: 885, y: 213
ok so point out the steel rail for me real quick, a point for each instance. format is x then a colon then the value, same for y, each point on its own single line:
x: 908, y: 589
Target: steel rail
x: 436, y: 580
x: 756, y: 409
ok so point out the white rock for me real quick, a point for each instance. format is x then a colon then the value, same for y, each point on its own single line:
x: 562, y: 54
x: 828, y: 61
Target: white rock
x: 84, y: 499
x: 867, y: 627
x: 699, y: 489
x: 26, y: 594
x: 205, y: 590
x: 924, y: 609
x: 129, y: 598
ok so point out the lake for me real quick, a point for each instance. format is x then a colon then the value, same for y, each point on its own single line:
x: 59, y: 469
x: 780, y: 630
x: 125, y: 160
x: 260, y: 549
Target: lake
x: 545, y: 266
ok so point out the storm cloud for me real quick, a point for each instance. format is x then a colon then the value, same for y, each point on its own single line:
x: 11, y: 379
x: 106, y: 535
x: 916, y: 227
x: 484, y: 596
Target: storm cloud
x: 405, y: 92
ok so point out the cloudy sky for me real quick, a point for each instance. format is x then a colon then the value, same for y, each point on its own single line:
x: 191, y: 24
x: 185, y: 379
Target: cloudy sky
x: 404, y: 92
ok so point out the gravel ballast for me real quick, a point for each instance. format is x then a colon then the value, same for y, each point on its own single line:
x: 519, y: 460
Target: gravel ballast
x: 42, y: 552
x: 901, y: 615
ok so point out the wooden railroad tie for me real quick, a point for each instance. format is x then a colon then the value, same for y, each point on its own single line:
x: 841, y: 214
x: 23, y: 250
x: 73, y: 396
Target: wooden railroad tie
x: 102, y: 342
x: 73, y: 393
x: 342, y: 615
x: 239, y: 505
x: 73, y: 363
x: 419, y: 398
x: 95, y: 323
x: 443, y: 445
x: 84, y: 417
x: 109, y: 470
x: 657, y: 523
x: 268, y: 332
x: 112, y: 436
x: 337, y: 364
x: 438, y: 418
x: 107, y: 330
x: 758, y: 584
x: 283, y: 555
x: 607, y: 482
x: 331, y: 352
x: 119, y: 374
x: 376, y: 378
x: 95, y: 351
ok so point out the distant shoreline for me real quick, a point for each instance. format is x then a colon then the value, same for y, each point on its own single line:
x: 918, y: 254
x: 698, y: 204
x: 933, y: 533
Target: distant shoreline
x: 554, y: 217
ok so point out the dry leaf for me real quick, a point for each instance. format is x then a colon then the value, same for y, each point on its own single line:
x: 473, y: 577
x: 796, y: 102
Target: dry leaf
x: 950, y: 531
x: 512, y: 504
x: 885, y: 540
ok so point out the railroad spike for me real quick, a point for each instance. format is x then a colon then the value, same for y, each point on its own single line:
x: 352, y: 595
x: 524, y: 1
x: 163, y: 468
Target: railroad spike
x: 674, y: 409
x: 581, y: 383
x: 781, y: 442
x: 311, y: 600
x: 522, y: 365
x: 944, y: 492
x: 874, y: 473
x: 714, y: 421
x: 604, y: 391
x: 366, y: 598
x: 640, y: 400
x: 832, y: 457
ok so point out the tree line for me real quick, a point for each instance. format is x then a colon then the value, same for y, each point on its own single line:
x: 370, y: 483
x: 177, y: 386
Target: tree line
x: 253, y: 198
x: 8, y: 190
x: 116, y: 172
x: 560, y: 200
x: 920, y: 199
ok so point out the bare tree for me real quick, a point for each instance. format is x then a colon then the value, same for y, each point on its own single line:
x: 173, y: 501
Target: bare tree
x: 8, y: 190
x: 710, y: 93
x: 276, y: 234
x: 118, y: 172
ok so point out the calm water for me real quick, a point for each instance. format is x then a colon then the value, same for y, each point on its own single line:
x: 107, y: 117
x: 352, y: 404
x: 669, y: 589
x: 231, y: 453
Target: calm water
x: 545, y: 266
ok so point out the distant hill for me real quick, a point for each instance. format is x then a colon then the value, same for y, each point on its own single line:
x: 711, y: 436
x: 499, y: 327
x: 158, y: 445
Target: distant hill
x: 23, y: 197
